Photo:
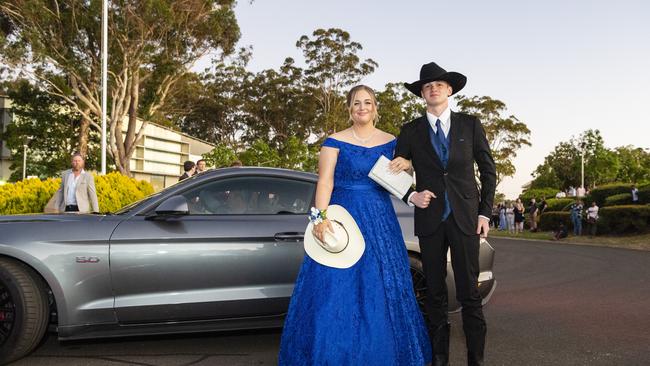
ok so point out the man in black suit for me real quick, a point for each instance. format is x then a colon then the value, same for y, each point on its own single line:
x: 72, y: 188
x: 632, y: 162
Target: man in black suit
x: 189, y: 168
x: 450, y: 212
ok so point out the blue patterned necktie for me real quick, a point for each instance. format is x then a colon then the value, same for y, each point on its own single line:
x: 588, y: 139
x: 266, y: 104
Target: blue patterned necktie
x: 443, y: 144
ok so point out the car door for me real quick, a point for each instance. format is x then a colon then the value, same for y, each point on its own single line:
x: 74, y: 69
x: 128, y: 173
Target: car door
x: 236, y: 254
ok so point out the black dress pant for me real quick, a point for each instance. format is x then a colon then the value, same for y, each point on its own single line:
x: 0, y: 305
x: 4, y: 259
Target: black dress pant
x: 71, y: 208
x: 464, y: 260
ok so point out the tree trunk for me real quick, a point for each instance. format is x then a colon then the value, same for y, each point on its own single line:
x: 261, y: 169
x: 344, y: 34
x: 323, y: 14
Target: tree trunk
x: 84, y: 133
x: 129, y: 140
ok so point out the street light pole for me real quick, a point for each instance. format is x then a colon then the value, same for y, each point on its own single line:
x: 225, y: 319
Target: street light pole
x: 104, y: 72
x: 24, y: 161
x: 582, y: 169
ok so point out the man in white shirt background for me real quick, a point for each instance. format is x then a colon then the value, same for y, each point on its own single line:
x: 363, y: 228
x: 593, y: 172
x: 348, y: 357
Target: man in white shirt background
x: 635, y: 194
x: 592, y: 218
x: 77, y: 191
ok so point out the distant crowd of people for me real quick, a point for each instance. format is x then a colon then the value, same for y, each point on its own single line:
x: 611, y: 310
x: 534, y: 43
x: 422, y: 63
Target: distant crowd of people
x: 511, y: 216
x: 190, y: 168
x: 572, y: 192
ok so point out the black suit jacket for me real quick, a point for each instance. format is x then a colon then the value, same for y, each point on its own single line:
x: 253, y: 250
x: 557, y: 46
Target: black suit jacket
x: 467, y: 144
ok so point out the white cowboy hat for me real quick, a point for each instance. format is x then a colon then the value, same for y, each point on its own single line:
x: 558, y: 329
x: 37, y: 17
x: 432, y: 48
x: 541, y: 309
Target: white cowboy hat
x: 341, y: 249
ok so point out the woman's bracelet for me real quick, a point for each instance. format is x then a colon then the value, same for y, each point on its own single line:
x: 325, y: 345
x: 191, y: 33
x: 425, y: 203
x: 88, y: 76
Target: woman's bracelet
x: 317, y: 216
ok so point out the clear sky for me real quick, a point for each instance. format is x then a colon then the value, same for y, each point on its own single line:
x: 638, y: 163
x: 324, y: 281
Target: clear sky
x: 561, y: 67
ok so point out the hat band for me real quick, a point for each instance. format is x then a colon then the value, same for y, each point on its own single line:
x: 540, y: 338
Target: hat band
x: 346, y: 244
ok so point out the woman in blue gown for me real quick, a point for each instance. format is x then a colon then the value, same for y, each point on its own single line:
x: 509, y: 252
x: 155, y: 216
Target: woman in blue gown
x: 366, y: 314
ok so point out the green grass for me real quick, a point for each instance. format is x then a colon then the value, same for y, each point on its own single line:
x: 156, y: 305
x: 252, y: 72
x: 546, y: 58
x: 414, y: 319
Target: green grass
x: 638, y: 242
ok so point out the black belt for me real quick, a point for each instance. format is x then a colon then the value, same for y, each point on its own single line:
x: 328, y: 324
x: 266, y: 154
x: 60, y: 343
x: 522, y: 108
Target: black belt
x: 71, y: 208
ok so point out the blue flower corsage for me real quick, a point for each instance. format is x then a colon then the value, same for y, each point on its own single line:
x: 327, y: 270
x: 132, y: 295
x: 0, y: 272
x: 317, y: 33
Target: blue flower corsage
x: 317, y: 216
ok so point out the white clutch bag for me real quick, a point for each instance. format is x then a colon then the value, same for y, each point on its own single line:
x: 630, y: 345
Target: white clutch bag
x: 397, y: 184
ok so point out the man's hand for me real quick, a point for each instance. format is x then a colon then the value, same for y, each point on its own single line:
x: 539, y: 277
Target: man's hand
x: 398, y: 164
x: 422, y: 199
x: 483, y: 227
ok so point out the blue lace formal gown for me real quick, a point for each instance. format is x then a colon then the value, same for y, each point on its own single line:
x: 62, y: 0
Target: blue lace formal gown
x: 366, y: 314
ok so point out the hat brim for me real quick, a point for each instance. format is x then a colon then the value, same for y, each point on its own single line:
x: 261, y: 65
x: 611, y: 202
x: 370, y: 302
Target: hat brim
x: 350, y: 255
x: 456, y: 80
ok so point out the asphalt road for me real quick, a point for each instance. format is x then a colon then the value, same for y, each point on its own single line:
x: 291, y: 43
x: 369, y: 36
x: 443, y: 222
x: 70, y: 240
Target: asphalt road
x: 556, y: 304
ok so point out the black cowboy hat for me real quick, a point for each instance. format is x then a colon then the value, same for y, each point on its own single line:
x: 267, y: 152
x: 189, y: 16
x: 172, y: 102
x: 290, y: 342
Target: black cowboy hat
x: 432, y: 72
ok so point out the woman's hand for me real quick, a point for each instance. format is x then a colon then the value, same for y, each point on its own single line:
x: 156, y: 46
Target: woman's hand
x: 398, y: 164
x: 319, y: 229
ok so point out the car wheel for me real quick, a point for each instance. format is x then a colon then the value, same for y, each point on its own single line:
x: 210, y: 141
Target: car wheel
x: 23, y: 310
x: 419, y: 282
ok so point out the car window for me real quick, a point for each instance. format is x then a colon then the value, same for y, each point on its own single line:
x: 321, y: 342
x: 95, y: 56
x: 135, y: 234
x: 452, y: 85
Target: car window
x: 251, y: 196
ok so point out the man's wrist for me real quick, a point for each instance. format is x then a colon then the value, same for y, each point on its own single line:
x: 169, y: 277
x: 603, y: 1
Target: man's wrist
x: 484, y: 217
x: 408, y: 201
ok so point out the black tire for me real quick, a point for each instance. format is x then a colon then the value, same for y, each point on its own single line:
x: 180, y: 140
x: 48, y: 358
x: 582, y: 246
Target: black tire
x: 23, y: 310
x: 419, y: 282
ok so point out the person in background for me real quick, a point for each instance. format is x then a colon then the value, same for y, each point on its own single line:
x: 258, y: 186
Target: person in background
x: 635, y: 194
x: 494, y: 221
x: 592, y: 218
x: 201, y: 166
x: 189, y: 168
x: 572, y: 191
x: 510, y: 218
x: 576, y: 217
x: 502, y: 216
x: 236, y: 163
x: 77, y: 190
x: 542, y: 206
x: 532, y: 211
x: 561, y: 232
x: 519, y: 216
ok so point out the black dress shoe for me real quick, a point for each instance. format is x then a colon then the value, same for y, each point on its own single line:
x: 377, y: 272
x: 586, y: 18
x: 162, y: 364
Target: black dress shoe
x: 440, y: 345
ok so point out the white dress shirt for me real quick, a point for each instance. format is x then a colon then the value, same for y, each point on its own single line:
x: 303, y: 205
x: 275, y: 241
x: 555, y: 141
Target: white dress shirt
x: 71, y: 198
x: 445, y: 121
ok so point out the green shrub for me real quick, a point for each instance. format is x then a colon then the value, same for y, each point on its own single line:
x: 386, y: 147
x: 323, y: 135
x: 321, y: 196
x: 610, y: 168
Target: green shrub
x: 538, y: 194
x: 114, y: 191
x: 618, y: 199
x: 624, y: 219
x: 559, y: 204
x: 601, y: 193
x: 549, y: 221
x: 26, y: 196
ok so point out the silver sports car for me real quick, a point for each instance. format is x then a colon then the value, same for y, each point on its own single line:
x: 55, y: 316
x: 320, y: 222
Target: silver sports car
x: 217, y: 251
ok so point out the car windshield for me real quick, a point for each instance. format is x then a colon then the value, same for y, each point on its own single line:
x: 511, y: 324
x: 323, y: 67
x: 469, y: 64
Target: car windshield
x: 130, y: 206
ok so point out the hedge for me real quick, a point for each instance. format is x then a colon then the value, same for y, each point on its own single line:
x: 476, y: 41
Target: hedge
x: 601, y: 193
x: 559, y: 204
x: 549, y: 221
x: 618, y: 199
x: 624, y: 219
x: 538, y: 194
x: 114, y: 191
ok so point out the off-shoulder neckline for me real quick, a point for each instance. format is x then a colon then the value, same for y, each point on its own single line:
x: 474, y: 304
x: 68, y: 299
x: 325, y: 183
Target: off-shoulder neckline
x: 365, y: 147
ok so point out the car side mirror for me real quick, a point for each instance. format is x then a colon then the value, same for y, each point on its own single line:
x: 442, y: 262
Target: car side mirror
x: 173, y: 206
